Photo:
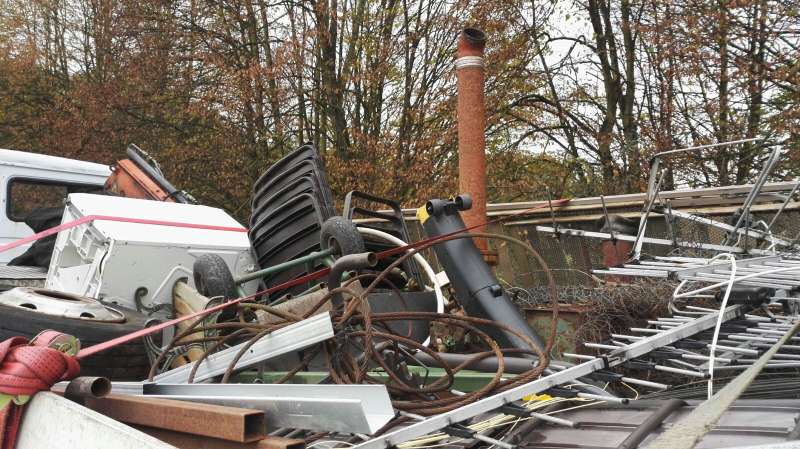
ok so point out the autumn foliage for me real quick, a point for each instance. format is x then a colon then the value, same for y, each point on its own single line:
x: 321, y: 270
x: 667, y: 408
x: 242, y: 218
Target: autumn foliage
x: 579, y: 93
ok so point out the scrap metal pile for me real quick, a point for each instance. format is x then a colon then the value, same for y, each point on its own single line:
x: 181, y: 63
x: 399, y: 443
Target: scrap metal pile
x: 313, y: 329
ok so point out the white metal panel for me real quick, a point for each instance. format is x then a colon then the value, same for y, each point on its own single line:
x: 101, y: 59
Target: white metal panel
x: 52, y: 422
x: 70, y: 167
x: 131, y: 233
x: 124, y: 257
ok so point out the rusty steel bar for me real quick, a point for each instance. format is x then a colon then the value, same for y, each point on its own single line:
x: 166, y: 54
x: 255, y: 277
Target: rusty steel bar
x: 471, y: 112
x: 80, y: 388
x: 183, y: 440
x: 302, y: 304
x: 216, y: 421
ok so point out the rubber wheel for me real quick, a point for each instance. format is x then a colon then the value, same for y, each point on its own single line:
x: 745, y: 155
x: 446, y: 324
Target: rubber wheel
x: 463, y: 202
x: 212, y: 277
x: 340, y: 235
x: 124, y: 362
x: 435, y: 207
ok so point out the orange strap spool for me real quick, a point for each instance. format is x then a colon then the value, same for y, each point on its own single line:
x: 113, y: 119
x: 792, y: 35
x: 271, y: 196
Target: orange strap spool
x: 27, y: 368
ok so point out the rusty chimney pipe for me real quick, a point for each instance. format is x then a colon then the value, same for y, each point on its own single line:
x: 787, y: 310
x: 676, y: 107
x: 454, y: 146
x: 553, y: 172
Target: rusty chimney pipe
x: 471, y: 112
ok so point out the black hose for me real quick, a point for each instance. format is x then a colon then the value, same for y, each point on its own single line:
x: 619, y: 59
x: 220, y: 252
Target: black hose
x: 347, y: 263
x: 134, y: 153
x: 651, y: 423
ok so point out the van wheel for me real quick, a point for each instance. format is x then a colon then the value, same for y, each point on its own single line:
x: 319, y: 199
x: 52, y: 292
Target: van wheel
x: 26, y: 311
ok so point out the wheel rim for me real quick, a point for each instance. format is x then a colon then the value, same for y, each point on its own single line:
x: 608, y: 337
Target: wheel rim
x: 60, y: 304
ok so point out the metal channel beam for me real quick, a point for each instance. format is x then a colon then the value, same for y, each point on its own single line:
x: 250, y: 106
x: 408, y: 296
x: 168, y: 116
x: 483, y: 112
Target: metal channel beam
x: 754, y: 282
x: 743, y: 263
x: 630, y: 272
x: 326, y: 407
x: 651, y: 240
x: 786, y: 282
x: 490, y: 403
x: 291, y: 338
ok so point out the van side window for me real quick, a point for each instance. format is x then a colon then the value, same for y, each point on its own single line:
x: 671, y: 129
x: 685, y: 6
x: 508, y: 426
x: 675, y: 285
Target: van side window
x: 27, y: 195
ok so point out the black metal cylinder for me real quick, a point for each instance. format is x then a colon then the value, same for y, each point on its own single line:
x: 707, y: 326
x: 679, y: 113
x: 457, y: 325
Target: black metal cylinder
x: 475, y: 284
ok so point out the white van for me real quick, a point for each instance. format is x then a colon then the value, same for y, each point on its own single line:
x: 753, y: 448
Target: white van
x: 30, y: 181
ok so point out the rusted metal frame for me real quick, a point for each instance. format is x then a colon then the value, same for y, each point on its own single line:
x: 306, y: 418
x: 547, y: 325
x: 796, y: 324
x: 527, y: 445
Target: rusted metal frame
x: 227, y: 423
x: 748, y: 202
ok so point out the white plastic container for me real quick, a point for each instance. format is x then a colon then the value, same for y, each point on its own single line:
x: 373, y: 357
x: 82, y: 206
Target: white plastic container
x: 112, y: 260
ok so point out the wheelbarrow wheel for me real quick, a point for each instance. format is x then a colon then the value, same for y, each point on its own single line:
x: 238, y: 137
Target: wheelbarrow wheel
x: 341, y: 236
x: 212, y: 278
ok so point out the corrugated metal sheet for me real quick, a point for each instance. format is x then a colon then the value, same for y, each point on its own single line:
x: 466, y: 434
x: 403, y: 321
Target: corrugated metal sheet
x: 10, y: 272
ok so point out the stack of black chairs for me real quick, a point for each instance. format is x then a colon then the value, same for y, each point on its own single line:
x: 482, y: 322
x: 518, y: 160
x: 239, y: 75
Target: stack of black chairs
x: 290, y: 202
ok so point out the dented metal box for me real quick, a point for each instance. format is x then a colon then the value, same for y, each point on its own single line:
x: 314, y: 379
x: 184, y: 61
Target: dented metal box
x: 120, y: 261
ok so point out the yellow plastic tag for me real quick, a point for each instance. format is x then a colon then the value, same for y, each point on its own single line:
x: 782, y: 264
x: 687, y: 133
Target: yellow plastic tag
x: 535, y: 397
x: 422, y: 214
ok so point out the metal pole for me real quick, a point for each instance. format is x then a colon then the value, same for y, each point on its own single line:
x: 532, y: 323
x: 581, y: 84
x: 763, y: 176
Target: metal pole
x: 471, y: 113
x: 282, y: 266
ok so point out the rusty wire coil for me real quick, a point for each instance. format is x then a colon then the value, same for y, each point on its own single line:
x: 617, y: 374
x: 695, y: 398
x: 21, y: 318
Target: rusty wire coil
x: 363, y: 340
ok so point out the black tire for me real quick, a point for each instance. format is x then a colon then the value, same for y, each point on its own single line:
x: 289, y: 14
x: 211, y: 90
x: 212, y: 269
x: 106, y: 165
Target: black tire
x: 341, y: 235
x: 125, y: 362
x: 212, y: 277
